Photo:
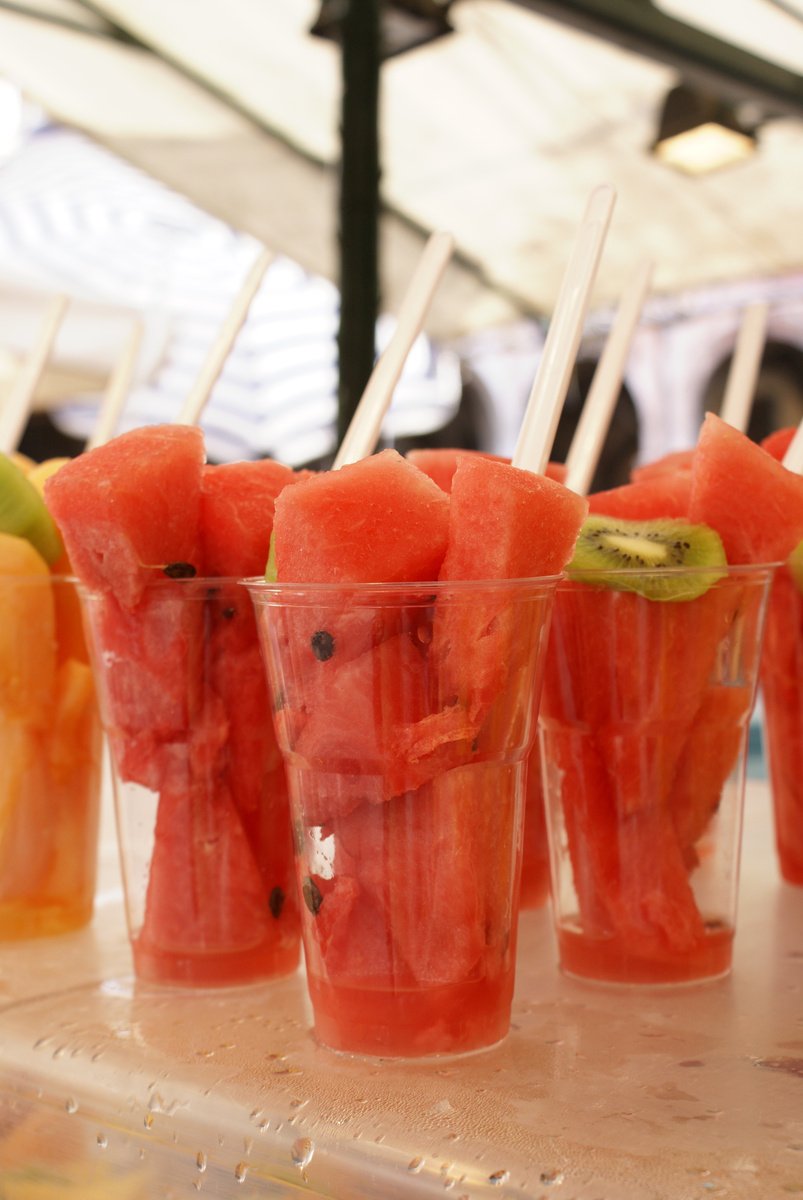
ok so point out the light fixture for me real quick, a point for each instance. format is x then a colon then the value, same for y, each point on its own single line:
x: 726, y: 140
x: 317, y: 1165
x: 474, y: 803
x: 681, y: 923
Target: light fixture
x: 405, y: 24
x: 700, y: 132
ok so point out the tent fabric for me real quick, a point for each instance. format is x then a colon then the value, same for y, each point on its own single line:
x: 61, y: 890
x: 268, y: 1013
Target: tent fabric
x: 72, y: 214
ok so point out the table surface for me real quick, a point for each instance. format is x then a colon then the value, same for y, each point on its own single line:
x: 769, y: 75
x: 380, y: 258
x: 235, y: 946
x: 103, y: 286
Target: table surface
x: 110, y: 1088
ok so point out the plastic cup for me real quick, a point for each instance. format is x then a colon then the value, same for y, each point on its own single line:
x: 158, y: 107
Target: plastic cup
x: 50, y: 756
x: 782, y: 691
x: 199, y: 786
x: 644, y: 728
x: 534, y: 891
x: 405, y: 716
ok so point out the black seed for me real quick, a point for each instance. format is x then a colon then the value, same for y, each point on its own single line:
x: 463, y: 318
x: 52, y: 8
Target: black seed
x: 180, y: 570
x: 211, y: 592
x: 323, y: 645
x: 229, y: 612
x: 312, y: 895
x: 276, y: 902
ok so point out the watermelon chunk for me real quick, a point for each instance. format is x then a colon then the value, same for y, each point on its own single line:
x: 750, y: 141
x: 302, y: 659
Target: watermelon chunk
x: 441, y: 464
x: 753, y: 502
x: 236, y: 515
x: 378, y: 520
x: 130, y: 506
x: 778, y: 443
x: 672, y: 463
x: 665, y: 494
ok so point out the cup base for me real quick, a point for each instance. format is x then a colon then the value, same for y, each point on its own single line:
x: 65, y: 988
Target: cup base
x: 611, y: 961
x: 188, y: 969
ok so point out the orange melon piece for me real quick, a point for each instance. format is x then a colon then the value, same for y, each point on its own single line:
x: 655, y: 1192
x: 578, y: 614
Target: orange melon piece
x: 27, y: 632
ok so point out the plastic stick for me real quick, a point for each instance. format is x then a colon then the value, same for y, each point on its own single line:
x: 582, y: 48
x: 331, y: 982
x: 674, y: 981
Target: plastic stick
x: 116, y: 394
x: 793, y: 459
x: 207, y: 378
x: 363, y: 432
x: 595, y: 418
x: 745, y: 365
x: 15, y: 411
x: 563, y: 336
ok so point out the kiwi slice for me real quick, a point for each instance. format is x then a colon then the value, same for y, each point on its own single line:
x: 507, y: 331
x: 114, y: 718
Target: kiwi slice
x: 271, y: 574
x: 24, y: 513
x: 613, y: 553
x: 795, y: 564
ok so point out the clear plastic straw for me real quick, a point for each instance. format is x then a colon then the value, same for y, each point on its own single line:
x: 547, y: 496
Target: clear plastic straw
x: 740, y: 388
x: 563, y: 337
x: 210, y: 371
x: 362, y: 434
x: 14, y: 412
x: 595, y: 418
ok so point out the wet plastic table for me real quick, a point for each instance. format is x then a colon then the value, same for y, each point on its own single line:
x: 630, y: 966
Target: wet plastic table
x: 109, y: 1089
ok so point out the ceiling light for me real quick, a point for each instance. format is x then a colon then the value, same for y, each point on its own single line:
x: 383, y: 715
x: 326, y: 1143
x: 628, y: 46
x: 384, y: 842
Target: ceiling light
x: 701, y: 133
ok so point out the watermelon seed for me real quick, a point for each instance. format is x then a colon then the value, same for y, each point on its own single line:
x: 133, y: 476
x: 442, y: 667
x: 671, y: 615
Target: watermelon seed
x: 276, y: 902
x: 323, y: 645
x: 312, y: 895
x: 180, y: 570
x: 228, y: 612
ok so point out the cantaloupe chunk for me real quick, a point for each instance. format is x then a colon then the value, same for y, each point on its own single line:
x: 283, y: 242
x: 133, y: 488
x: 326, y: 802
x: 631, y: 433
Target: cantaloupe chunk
x: 27, y: 631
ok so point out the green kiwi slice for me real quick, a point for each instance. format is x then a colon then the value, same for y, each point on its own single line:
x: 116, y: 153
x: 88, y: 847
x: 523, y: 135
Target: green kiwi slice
x: 614, y: 553
x: 24, y: 513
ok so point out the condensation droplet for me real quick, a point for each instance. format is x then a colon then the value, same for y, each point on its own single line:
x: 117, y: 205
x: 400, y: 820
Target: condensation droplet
x: 71, y: 1105
x: 301, y: 1152
x: 415, y: 1165
x: 102, y: 1140
x: 498, y: 1178
x: 201, y: 1161
x: 241, y: 1171
x: 548, y: 1178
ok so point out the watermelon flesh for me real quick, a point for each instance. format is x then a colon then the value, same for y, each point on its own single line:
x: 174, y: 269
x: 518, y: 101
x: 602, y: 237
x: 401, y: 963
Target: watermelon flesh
x: 210, y: 888
x: 665, y: 494
x: 405, y: 714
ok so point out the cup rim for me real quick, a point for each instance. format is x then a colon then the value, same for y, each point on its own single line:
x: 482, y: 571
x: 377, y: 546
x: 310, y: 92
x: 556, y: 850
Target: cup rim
x: 721, y: 571
x: 261, y: 588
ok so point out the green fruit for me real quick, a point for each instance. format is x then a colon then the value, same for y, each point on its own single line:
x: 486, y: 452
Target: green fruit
x: 24, y: 513
x: 683, y: 560
x: 270, y: 569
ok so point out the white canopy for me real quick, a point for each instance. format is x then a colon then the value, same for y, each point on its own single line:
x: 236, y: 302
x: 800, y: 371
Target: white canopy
x: 496, y: 132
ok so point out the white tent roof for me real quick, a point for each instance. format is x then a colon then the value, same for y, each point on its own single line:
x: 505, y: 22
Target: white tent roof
x: 497, y: 132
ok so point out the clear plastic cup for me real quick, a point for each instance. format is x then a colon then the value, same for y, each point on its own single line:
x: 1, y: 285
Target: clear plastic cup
x: 782, y: 692
x: 644, y: 728
x: 50, y: 760
x: 200, y: 790
x: 405, y: 715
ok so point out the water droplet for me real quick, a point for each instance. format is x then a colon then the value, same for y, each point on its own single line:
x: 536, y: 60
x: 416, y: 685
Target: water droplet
x: 71, y: 1105
x: 551, y: 1177
x: 498, y: 1178
x: 415, y: 1165
x: 200, y: 1161
x: 103, y: 1141
x: 241, y: 1171
x: 301, y: 1152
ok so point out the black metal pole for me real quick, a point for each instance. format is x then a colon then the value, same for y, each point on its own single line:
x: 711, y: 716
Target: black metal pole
x: 358, y: 202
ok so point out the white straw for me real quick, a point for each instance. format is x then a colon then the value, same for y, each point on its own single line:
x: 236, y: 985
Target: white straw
x: 208, y: 375
x: 563, y: 337
x: 362, y: 434
x: 116, y: 394
x: 597, y: 412
x: 793, y: 459
x: 745, y: 364
x: 16, y: 409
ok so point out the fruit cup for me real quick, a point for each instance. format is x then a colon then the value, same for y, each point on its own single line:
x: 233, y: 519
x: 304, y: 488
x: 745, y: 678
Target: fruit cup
x: 782, y: 690
x: 644, y: 724
x: 200, y: 791
x: 405, y: 715
x: 50, y: 752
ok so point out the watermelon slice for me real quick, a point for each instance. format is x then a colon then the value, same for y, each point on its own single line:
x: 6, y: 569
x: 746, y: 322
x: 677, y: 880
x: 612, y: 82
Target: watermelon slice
x: 752, y: 501
x: 130, y: 506
x: 668, y: 464
x: 236, y: 515
x: 378, y: 520
x: 441, y: 464
x: 666, y: 494
x: 778, y: 443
